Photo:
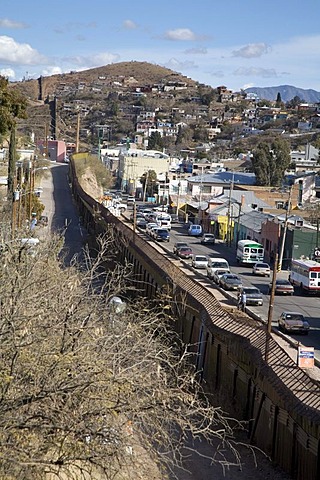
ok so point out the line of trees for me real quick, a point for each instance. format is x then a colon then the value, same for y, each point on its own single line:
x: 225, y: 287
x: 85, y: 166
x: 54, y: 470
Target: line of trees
x: 270, y: 160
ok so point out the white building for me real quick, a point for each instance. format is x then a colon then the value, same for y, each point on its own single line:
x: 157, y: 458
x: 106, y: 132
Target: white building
x: 133, y: 163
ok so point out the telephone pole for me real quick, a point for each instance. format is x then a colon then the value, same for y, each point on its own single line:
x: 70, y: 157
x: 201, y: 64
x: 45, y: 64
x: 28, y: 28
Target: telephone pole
x: 270, y: 310
x: 78, y: 132
x: 285, y: 228
x: 229, y: 219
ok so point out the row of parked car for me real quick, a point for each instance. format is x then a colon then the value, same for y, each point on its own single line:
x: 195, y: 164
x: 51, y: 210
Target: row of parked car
x: 218, y: 271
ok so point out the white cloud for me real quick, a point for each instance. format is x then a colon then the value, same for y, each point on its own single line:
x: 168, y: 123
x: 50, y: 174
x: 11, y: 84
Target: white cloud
x: 53, y: 70
x: 253, y: 50
x: 19, y: 53
x: 129, y: 25
x: 256, y: 72
x: 6, y: 23
x: 180, y: 34
x: 7, y: 73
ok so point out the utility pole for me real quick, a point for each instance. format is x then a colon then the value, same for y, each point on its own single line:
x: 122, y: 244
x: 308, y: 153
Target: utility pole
x: 15, y: 198
x: 31, y: 187
x: 228, y: 233
x: 145, y: 186
x: 270, y: 310
x: 200, y: 194
x: 78, y: 132
x: 178, y: 198
x: 285, y: 228
x: 238, y: 222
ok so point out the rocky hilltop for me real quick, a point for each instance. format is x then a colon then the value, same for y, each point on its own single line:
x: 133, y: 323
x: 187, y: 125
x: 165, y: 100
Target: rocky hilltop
x: 134, y: 73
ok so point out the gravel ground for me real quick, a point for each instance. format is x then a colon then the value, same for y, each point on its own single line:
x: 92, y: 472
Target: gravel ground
x: 254, y: 466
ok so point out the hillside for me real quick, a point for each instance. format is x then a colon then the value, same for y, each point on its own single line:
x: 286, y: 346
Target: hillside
x: 139, y: 73
x: 287, y: 92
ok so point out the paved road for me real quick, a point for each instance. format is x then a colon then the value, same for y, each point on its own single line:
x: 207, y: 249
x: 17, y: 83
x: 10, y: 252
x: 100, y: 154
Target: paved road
x: 61, y: 211
x: 308, y: 305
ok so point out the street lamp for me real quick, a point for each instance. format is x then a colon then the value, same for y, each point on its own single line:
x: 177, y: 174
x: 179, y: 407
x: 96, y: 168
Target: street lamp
x: 117, y: 307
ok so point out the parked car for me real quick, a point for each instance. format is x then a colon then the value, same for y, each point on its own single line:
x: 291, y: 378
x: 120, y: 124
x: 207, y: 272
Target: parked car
x: 199, y: 261
x: 142, y: 224
x: 161, y: 235
x: 216, y: 263
x: 217, y: 274
x: 150, y: 226
x: 153, y: 232
x: 138, y: 216
x: 293, y: 322
x: 253, y: 295
x: 208, y: 239
x: 184, y: 252
x: 230, y: 281
x: 283, y: 287
x: 195, y: 231
x: 178, y: 245
x: 119, y: 206
x: 261, y: 268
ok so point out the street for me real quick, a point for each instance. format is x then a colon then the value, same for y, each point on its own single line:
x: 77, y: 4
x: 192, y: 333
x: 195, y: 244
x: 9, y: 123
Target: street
x: 305, y: 304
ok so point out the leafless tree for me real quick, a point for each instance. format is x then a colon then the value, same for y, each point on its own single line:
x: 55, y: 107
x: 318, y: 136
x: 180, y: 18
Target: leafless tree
x: 88, y: 390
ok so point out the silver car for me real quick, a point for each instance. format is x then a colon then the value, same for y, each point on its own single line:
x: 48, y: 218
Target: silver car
x: 261, y: 268
x: 199, y: 261
x: 230, y: 281
x: 217, y: 274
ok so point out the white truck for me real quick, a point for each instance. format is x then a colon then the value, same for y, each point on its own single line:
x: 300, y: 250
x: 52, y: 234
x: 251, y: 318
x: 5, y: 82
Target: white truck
x: 164, y: 219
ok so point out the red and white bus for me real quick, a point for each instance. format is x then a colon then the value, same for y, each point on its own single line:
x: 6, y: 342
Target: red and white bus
x: 306, y: 275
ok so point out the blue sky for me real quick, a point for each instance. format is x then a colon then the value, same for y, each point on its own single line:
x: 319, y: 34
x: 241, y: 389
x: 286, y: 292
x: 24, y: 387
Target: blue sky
x: 233, y: 43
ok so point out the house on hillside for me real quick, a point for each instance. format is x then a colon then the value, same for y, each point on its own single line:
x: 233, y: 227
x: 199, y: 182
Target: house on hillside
x: 207, y: 184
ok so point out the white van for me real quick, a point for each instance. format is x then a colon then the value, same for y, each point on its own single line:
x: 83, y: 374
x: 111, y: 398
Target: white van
x: 217, y: 263
x: 195, y: 230
x: 165, y: 220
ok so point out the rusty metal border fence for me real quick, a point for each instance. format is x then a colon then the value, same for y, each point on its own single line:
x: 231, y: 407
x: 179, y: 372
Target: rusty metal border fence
x: 292, y: 388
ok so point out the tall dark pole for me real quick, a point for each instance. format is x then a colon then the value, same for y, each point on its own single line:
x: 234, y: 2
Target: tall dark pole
x: 11, y: 164
x: 228, y: 233
x: 238, y: 226
x: 285, y: 228
x: 270, y: 311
